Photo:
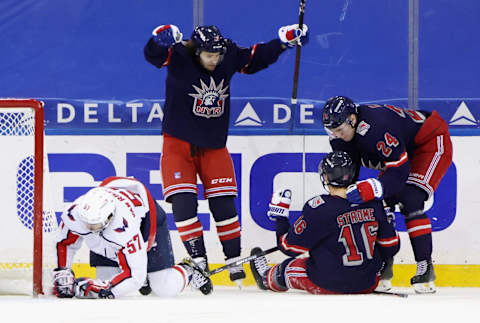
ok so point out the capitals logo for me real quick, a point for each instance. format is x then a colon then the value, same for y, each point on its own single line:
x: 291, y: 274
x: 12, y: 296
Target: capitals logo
x: 209, y: 100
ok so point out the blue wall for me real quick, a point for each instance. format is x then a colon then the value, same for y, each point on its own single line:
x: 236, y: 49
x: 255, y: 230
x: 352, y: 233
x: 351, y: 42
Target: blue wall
x: 91, y: 49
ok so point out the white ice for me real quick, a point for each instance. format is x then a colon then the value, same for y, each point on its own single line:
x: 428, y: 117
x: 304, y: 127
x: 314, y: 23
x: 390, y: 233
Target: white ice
x: 231, y: 305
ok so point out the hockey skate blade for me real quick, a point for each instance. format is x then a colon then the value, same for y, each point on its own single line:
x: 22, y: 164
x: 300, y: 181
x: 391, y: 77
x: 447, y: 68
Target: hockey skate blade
x: 425, y: 288
x: 384, y: 285
x: 238, y: 283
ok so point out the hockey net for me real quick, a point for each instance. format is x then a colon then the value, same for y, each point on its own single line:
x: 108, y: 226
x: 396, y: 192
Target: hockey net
x: 27, y: 231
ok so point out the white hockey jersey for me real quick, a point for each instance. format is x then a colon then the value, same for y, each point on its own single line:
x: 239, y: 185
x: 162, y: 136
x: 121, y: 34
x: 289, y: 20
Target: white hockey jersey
x: 121, y: 241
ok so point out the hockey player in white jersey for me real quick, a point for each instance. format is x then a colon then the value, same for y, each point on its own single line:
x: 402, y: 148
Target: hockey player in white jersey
x: 120, y: 220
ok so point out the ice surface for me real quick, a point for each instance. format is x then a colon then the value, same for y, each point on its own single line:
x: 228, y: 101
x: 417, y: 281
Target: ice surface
x: 231, y: 305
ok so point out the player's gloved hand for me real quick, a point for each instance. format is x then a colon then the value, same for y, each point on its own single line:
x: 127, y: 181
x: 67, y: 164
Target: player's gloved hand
x: 279, y: 205
x: 90, y: 288
x: 364, y: 191
x: 63, y: 282
x: 292, y: 35
x: 166, y: 35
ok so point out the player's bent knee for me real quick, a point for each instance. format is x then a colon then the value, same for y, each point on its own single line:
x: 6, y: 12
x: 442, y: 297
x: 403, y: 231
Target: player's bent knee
x: 167, y: 282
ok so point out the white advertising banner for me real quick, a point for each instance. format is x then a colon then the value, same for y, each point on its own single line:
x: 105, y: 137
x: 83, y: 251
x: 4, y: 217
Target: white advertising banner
x: 263, y: 164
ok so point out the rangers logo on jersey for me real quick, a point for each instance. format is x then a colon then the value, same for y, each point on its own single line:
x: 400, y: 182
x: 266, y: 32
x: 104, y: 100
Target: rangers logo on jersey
x: 209, y: 100
x: 362, y: 128
x: 316, y: 202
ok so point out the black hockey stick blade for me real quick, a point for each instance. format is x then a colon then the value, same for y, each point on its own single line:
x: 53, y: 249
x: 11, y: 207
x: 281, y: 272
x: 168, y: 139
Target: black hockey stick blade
x: 403, y: 295
x: 242, y: 261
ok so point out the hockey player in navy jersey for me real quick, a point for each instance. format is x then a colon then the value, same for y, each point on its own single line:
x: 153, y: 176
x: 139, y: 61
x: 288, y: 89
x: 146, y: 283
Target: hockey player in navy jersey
x: 411, y: 148
x: 347, y: 243
x: 120, y: 221
x: 195, y: 126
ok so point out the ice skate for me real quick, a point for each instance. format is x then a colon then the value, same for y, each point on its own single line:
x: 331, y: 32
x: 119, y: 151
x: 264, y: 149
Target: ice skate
x: 386, y: 275
x: 423, y: 281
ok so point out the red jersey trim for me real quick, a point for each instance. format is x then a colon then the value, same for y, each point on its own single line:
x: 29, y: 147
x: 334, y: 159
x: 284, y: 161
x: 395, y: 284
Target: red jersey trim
x: 126, y: 271
x: 289, y: 247
x: 62, y: 248
x: 403, y: 159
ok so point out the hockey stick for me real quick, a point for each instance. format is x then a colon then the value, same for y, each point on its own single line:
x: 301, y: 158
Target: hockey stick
x: 241, y: 261
x: 403, y: 295
x: 297, y: 54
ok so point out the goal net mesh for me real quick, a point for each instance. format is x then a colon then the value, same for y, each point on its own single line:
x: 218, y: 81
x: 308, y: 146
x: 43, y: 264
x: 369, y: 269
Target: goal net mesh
x: 17, y: 188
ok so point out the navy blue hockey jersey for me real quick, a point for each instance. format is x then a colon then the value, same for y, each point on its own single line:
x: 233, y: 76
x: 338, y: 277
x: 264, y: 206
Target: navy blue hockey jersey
x: 384, y: 140
x: 197, y: 101
x: 346, y: 242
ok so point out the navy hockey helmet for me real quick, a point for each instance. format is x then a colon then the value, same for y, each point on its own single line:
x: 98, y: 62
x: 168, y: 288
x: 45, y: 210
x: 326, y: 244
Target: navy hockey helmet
x: 337, y: 110
x: 208, y: 38
x: 338, y: 168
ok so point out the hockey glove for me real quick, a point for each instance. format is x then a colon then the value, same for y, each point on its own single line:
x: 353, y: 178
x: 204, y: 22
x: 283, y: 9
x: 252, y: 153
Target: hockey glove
x: 198, y: 278
x: 89, y: 288
x: 292, y: 35
x: 166, y: 35
x: 364, y: 191
x: 280, y: 204
x: 63, y: 282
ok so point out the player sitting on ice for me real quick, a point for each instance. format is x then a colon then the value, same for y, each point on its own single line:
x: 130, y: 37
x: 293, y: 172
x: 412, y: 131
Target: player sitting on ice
x: 121, y: 221
x: 413, y: 151
x: 347, y: 243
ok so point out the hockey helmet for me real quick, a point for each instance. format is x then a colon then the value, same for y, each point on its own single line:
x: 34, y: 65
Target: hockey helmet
x: 337, y: 169
x: 337, y: 110
x: 208, y: 38
x: 96, y: 208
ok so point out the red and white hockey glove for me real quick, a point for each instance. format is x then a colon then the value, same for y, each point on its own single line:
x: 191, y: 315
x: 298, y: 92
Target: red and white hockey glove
x: 63, y: 282
x: 279, y: 205
x: 90, y: 288
x: 166, y: 35
x: 292, y: 35
x: 364, y: 191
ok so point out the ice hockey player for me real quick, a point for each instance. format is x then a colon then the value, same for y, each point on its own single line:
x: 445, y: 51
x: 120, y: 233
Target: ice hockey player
x: 195, y: 126
x: 347, y: 243
x: 411, y: 148
x: 121, y: 221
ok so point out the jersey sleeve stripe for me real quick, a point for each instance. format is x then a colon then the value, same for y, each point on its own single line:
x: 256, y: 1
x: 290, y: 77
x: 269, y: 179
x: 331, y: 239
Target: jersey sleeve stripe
x: 389, y: 242
x: 294, y: 248
x: 403, y: 159
x: 62, y: 248
x: 252, y: 53
x: 126, y: 271
x: 153, y: 220
x: 167, y: 61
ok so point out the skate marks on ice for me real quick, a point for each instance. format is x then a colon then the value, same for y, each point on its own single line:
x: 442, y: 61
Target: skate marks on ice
x: 231, y: 305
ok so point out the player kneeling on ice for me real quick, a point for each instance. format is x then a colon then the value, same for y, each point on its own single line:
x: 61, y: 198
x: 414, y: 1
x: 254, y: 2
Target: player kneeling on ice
x: 347, y: 243
x: 120, y: 221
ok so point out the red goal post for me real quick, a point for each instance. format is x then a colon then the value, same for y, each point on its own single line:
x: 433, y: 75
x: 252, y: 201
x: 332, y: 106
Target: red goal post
x: 25, y: 117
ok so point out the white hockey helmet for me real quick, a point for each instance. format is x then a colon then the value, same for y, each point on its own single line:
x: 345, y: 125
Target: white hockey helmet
x: 96, y: 208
